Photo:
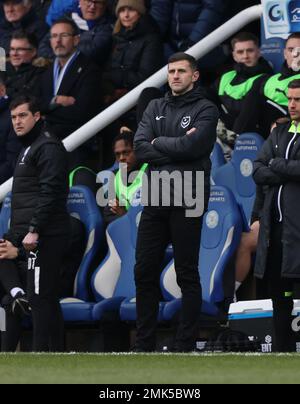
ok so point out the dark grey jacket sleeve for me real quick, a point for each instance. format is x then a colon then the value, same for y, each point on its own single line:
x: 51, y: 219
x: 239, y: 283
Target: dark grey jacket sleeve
x: 195, y: 145
x: 262, y: 173
x: 144, y: 150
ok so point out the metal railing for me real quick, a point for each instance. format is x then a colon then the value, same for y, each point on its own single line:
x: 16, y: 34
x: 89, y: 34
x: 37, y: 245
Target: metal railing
x: 158, y: 79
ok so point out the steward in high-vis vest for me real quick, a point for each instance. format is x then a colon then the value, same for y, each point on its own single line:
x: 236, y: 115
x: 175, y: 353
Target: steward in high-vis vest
x: 127, y: 190
x: 233, y: 87
x: 267, y: 101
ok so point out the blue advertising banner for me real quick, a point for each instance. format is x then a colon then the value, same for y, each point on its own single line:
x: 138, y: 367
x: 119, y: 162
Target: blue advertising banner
x: 280, y: 19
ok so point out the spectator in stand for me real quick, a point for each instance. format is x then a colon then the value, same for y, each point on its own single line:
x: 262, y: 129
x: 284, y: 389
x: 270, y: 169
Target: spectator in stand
x: 137, y: 49
x: 268, y: 101
x: 184, y: 23
x: 70, y: 88
x: 10, y: 146
x: 21, y: 75
x: 19, y: 14
x: 95, y: 26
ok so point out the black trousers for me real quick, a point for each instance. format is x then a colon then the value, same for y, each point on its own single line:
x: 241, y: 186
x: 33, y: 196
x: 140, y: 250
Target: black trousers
x: 158, y: 227
x: 280, y: 291
x: 12, y: 274
x: 42, y: 279
x: 43, y: 287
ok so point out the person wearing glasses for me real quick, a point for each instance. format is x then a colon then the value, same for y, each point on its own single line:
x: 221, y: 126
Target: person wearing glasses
x: 21, y: 74
x: 95, y: 27
x: 19, y: 14
x: 70, y: 88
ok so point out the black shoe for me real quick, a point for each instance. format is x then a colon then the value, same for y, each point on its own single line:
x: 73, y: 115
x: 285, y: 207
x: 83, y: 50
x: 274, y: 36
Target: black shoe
x: 20, y: 306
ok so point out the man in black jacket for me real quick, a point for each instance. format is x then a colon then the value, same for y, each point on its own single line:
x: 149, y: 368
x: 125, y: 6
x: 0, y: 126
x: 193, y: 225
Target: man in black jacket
x: 277, y: 257
x: 267, y: 101
x: 249, y: 70
x: 21, y: 76
x: 176, y: 135
x: 39, y: 223
x: 70, y: 88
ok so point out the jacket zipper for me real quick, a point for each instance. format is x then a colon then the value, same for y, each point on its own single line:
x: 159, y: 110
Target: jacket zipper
x: 281, y: 187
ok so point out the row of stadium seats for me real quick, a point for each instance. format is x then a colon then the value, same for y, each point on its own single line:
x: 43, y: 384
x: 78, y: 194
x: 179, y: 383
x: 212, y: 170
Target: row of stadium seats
x: 112, y: 283
x: 109, y: 292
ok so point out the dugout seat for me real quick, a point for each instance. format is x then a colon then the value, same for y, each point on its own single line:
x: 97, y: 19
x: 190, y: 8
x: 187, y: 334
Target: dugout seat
x: 237, y: 173
x: 221, y: 233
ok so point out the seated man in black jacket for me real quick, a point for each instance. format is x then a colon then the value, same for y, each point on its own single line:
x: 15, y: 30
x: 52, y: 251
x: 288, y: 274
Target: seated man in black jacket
x: 21, y: 75
x: 70, y: 88
x: 95, y: 26
x: 230, y: 91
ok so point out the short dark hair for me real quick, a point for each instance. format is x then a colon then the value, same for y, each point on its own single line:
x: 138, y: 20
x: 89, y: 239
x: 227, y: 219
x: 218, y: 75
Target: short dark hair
x: 29, y: 37
x: 244, y: 37
x: 294, y: 35
x: 179, y: 56
x: 68, y: 21
x: 294, y: 84
x: 126, y: 136
x: 25, y: 99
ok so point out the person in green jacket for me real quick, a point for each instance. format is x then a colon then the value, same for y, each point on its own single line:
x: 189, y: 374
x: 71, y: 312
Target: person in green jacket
x: 126, y: 193
x: 233, y: 86
x: 268, y: 101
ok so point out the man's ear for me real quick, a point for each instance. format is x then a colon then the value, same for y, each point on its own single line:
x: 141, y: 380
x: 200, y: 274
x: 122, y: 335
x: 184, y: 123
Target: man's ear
x: 196, y: 75
x: 37, y: 116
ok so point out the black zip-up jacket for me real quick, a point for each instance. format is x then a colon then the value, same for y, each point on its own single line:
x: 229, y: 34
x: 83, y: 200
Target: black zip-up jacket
x: 281, y: 175
x: 229, y: 107
x: 40, y: 187
x: 168, y: 120
x: 257, y: 114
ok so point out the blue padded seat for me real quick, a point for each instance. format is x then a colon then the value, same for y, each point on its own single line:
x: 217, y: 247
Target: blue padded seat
x: 221, y: 233
x: 5, y: 215
x: 217, y: 158
x: 113, y: 281
x: 82, y: 205
x: 237, y: 173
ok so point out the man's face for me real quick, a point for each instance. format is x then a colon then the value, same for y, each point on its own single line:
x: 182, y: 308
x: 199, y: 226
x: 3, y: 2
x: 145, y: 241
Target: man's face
x: 63, y: 41
x: 21, y: 52
x: 124, y: 154
x: 181, y: 77
x: 294, y: 103
x: 23, y: 120
x: 92, y: 9
x: 128, y: 17
x: 247, y: 53
x: 290, y: 47
x: 15, y: 11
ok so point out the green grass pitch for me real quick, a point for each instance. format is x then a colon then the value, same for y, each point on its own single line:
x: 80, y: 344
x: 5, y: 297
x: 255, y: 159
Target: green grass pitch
x: 138, y: 368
